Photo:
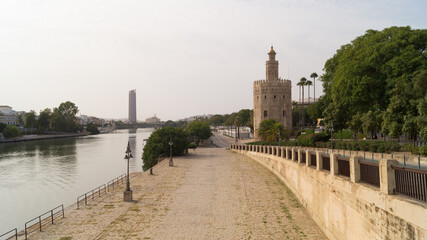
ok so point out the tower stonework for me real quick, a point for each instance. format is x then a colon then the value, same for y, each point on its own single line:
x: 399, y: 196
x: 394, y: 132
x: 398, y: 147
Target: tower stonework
x: 272, y: 96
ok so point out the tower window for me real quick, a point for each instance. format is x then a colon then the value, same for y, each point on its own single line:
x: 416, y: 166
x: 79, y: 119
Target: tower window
x: 257, y: 97
x: 265, y: 113
x: 265, y: 96
x: 284, y: 112
x: 274, y: 96
x: 283, y: 96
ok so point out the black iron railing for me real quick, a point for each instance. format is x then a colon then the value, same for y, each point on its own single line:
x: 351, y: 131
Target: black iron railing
x: 313, y: 160
x: 303, y: 157
x: 8, y: 235
x: 37, y: 223
x: 116, y: 181
x: 326, y: 163
x: 411, y: 182
x: 370, y: 173
x: 91, y: 195
x: 343, y: 167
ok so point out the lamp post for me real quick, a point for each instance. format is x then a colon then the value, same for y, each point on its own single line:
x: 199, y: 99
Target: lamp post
x: 170, y: 160
x: 127, y: 194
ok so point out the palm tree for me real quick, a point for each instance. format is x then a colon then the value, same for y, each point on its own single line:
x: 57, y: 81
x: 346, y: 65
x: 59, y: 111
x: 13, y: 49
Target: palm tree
x: 309, y: 83
x: 302, y: 83
x: 314, y: 76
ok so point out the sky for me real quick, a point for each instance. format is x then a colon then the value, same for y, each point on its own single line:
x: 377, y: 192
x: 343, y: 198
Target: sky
x: 184, y: 58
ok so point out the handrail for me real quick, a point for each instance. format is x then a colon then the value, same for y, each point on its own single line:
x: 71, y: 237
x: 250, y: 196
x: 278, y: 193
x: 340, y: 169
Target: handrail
x: 423, y: 171
x: 13, y: 230
x: 113, y: 182
x: 98, y: 189
x: 40, y: 220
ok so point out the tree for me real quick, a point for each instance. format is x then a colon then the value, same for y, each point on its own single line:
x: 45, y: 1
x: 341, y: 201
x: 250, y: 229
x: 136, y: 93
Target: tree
x: 64, y: 117
x: 30, y: 120
x: 158, y: 144
x: 92, y: 128
x: 422, y: 118
x: 314, y: 76
x: 11, y: 131
x: 371, y: 122
x: 44, y: 119
x: 380, y: 71
x: 355, y: 124
x: 2, y: 126
x: 308, y: 84
x: 302, y: 82
x: 199, y: 129
x: 269, y: 128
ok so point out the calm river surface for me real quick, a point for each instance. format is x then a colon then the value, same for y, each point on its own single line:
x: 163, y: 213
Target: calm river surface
x: 40, y: 175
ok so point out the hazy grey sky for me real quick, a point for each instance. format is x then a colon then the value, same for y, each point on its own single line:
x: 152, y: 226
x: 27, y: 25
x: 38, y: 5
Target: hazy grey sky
x: 182, y: 57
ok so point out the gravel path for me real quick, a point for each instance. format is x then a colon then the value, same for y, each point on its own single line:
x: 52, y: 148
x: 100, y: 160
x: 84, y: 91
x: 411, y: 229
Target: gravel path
x: 211, y: 193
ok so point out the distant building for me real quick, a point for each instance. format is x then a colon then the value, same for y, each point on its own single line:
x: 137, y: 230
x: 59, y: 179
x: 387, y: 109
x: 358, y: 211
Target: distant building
x: 272, y: 96
x: 132, y: 106
x: 8, y: 116
x: 153, y: 119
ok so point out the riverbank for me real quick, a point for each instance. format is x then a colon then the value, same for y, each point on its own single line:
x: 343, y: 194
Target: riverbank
x: 210, y: 193
x: 42, y: 137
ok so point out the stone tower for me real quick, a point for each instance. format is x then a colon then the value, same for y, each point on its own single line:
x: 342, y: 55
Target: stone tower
x: 272, y: 97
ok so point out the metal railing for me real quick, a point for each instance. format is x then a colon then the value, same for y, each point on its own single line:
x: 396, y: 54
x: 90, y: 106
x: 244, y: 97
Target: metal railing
x: 116, y: 181
x: 7, y: 236
x: 44, y: 219
x: 303, y: 157
x: 411, y: 182
x: 370, y: 173
x: 91, y: 195
x: 343, y: 166
x: 313, y: 160
x: 326, y: 163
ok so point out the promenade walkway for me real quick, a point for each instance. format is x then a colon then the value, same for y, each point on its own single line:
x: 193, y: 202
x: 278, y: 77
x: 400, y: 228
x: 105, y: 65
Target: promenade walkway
x: 212, y: 193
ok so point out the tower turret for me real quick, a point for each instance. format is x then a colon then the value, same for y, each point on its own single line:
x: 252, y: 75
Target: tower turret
x: 272, y: 66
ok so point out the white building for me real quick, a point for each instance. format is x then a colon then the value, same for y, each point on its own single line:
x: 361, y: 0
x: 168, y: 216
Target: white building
x: 8, y: 115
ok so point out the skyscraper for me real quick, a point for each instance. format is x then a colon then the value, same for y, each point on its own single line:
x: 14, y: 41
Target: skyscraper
x: 132, y: 106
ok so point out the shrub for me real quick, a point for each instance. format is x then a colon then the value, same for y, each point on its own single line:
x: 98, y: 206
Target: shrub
x: 158, y: 144
x: 11, y: 131
x: 2, y: 127
x: 192, y: 145
x: 92, y: 128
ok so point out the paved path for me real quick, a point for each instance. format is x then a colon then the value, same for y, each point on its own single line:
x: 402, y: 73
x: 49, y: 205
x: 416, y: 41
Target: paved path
x: 212, y: 193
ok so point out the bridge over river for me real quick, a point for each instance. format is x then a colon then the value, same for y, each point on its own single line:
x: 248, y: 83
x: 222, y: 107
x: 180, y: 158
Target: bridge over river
x: 211, y: 193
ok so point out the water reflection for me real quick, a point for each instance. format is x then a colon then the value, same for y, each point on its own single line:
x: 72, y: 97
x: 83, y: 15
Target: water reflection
x: 37, y: 176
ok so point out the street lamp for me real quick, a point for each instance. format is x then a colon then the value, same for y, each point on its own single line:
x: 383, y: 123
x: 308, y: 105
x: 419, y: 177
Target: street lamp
x: 127, y: 194
x: 170, y: 160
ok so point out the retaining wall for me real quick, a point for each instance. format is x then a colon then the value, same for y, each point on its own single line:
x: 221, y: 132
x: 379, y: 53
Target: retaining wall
x: 343, y: 207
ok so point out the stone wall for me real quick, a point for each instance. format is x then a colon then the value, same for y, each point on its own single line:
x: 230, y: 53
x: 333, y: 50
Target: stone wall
x: 343, y: 207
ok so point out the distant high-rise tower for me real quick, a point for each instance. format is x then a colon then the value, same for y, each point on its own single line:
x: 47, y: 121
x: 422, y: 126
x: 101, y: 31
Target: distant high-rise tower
x: 272, y: 97
x: 132, y: 106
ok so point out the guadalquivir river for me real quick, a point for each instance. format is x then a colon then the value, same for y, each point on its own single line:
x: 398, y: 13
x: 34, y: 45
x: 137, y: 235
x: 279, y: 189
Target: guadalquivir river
x: 37, y: 176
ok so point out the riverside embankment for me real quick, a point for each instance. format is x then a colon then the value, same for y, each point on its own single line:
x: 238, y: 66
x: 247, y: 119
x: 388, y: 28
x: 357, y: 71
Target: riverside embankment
x: 211, y: 193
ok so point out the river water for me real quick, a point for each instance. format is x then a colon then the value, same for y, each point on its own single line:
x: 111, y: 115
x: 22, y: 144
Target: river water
x: 40, y: 175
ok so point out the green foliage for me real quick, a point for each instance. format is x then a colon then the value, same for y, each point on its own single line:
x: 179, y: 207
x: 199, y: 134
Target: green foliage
x: 381, y: 71
x: 310, y: 139
x: 92, y: 128
x: 373, y: 146
x: 415, y: 150
x: 158, y: 144
x: 64, y: 117
x: 11, y: 131
x: 2, y: 126
x: 192, y: 145
x: 269, y: 129
x: 30, y: 120
x: 199, y: 129
x: 44, y: 120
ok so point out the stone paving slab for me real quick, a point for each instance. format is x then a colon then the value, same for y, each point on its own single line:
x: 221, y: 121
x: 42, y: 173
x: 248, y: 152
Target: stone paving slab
x: 211, y: 193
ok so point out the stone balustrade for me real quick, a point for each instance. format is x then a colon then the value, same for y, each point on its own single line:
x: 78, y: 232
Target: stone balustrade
x: 342, y: 197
